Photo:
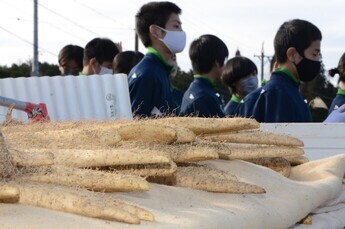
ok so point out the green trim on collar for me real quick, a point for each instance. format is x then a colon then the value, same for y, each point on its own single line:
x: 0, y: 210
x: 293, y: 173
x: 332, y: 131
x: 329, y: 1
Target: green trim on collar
x: 263, y: 82
x: 205, y: 78
x: 235, y: 99
x: 172, y: 87
x: 340, y: 92
x: 160, y: 57
x: 286, y: 71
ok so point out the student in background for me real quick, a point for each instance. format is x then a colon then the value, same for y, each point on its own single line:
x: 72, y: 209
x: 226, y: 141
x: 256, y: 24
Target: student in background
x: 160, y: 29
x: 98, y: 58
x: 240, y: 74
x: 297, y: 47
x: 125, y: 61
x: 247, y: 104
x: 208, y: 54
x: 71, y: 60
x: 340, y: 97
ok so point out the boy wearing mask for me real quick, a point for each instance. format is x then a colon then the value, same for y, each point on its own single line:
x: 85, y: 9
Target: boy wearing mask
x: 159, y: 28
x: 98, y: 57
x: 208, y: 54
x: 297, y: 49
x: 240, y: 75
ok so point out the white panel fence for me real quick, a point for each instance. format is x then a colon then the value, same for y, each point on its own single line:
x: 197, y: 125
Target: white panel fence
x: 320, y: 140
x: 71, y: 97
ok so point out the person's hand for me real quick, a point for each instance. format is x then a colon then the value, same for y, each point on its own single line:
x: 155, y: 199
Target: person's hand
x: 337, y: 115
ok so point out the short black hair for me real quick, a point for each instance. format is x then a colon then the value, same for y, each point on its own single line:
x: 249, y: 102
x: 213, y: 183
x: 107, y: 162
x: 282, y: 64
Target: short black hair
x: 294, y: 33
x: 236, y: 69
x: 204, y: 51
x: 102, y: 49
x: 153, y: 13
x: 273, y: 62
x: 71, y: 53
x: 125, y: 61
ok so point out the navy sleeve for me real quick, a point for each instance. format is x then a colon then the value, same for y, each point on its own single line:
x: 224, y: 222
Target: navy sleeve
x: 142, y: 91
x: 273, y: 106
x: 337, y: 102
x: 246, y: 108
x: 202, y: 107
x: 231, y: 108
x: 247, y: 105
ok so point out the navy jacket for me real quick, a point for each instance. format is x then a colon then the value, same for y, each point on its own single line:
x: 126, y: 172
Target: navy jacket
x: 337, y: 101
x: 281, y: 101
x: 201, y: 100
x: 232, y: 107
x: 177, y: 96
x: 149, y: 87
x: 247, y: 104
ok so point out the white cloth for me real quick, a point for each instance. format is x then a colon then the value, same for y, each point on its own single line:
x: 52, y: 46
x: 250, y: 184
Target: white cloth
x: 286, y: 201
x: 330, y: 215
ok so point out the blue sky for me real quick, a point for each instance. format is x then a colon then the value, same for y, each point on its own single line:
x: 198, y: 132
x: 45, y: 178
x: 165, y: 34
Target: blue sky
x: 242, y: 25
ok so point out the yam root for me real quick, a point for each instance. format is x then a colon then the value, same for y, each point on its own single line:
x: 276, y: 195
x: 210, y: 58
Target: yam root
x: 102, y: 157
x: 9, y: 193
x: 146, y: 132
x: 145, y: 170
x: 21, y: 159
x: 74, y: 201
x: 207, y: 179
x: 87, y: 178
x: 278, y: 164
x: 64, y: 139
x: 210, y: 125
x: 249, y: 151
x: 297, y: 160
x: 255, y: 137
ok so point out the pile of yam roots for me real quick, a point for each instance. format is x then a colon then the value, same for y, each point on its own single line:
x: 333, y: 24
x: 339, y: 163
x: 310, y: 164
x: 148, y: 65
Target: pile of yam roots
x: 71, y: 166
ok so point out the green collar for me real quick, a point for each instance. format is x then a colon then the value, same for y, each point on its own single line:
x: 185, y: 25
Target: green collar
x: 263, y: 82
x: 287, y: 72
x: 160, y: 57
x: 172, y: 87
x: 235, y: 99
x: 213, y: 84
x: 340, y: 91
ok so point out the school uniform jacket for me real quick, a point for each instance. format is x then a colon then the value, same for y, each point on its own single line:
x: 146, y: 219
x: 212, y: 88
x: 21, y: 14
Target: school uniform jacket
x: 281, y: 101
x: 246, y: 106
x: 232, y: 107
x: 201, y: 100
x: 149, y: 87
x: 338, y: 100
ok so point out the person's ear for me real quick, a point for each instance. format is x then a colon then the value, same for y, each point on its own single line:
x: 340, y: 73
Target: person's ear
x: 155, y: 31
x: 93, y: 62
x: 292, y: 55
x: 216, y: 64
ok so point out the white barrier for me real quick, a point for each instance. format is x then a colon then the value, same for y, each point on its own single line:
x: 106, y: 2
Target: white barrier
x: 320, y: 140
x: 92, y: 97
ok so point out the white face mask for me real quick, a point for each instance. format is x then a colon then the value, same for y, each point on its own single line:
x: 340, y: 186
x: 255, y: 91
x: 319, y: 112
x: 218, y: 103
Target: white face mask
x: 105, y: 71
x: 175, y: 41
